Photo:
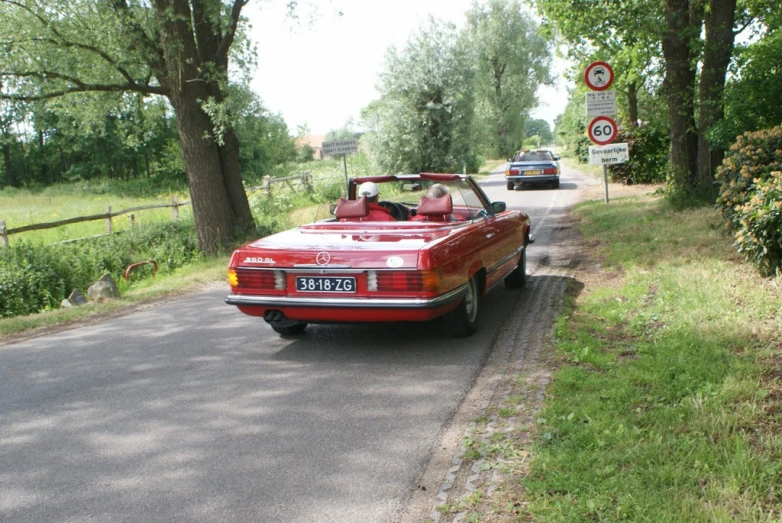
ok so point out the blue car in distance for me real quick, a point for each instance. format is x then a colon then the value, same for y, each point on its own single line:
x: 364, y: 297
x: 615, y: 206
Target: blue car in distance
x: 532, y: 167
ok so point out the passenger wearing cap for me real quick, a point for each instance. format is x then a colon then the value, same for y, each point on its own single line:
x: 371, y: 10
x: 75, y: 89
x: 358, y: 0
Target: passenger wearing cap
x: 377, y: 213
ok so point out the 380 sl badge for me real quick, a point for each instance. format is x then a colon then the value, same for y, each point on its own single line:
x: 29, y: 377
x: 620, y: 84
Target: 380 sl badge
x: 260, y: 260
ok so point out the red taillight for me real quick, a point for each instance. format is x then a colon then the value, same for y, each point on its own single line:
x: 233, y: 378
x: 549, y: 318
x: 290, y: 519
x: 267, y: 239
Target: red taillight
x: 512, y: 172
x: 254, y: 279
x: 416, y: 281
x: 550, y: 171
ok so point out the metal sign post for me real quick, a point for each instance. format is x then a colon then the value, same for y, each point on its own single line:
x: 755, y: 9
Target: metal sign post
x: 345, y: 168
x: 601, y: 104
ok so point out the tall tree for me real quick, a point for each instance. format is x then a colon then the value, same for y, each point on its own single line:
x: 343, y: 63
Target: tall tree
x: 625, y: 33
x: 178, y: 49
x: 717, y: 52
x: 423, y: 119
x: 539, y: 127
x: 513, y: 60
x: 683, y: 23
x: 693, y: 157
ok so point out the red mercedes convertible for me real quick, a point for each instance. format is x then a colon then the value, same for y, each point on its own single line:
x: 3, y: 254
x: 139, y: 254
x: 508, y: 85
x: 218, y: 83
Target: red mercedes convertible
x: 411, y: 247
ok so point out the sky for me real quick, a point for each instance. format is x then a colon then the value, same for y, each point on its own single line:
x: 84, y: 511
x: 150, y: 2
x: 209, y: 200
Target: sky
x: 321, y: 69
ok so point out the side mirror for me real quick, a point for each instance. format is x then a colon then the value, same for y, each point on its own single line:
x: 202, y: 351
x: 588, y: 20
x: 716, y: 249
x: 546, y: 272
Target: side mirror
x: 498, y: 207
x: 333, y: 208
x: 510, y: 159
x: 530, y: 239
x: 556, y: 157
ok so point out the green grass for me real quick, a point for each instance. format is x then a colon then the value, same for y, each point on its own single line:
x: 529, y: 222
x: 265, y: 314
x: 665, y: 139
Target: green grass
x: 20, y: 207
x: 134, y: 293
x: 664, y: 406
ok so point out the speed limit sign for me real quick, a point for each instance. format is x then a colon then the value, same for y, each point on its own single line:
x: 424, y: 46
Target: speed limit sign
x: 602, y: 130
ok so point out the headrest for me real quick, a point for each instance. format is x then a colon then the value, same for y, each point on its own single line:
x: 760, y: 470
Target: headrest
x: 352, y: 208
x: 435, y: 206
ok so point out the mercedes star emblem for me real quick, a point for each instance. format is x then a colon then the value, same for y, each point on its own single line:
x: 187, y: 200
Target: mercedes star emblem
x: 323, y: 258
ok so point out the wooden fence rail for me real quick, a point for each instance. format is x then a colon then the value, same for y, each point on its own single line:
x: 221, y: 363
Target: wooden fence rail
x: 5, y: 232
x: 305, y: 179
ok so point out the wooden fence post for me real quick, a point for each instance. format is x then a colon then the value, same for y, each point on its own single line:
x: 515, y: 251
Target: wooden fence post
x: 307, y: 179
x: 108, y: 219
x: 267, y: 184
x: 175, y: 202
x: 3, y: 233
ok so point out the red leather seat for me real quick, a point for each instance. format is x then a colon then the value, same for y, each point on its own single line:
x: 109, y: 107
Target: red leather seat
x: 435, y: 209
x: 352, y: 209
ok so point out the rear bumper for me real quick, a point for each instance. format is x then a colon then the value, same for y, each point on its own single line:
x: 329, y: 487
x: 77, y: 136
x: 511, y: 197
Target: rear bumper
x: 538, y: 178
x: 348, y: 302
x: 349, y: 309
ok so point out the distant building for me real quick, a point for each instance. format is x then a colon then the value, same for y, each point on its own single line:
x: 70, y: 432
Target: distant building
x: 315, y: 141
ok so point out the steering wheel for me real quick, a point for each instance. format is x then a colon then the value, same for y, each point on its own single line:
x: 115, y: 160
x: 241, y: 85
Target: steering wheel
x: 398, y: 211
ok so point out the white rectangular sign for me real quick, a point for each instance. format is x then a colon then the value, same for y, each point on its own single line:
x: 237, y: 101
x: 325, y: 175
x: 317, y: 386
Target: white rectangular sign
x: 340, y: 147
x: 601, y: 103
x: 608, y: 154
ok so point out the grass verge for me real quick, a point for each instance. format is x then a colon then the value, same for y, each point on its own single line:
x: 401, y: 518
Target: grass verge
x: 666, y: 402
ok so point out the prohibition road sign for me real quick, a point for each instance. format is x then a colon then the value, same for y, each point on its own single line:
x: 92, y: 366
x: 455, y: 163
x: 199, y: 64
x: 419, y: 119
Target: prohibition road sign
x: 599, y: 76
x: 602, y: 130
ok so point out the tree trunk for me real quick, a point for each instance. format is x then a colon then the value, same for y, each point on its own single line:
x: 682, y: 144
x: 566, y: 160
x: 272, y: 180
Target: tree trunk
x: 716, y: 57
x: 682, y: 29
x: 7, y: 162
x: 632, y: 103
x: 232, y: 176
x: 211, y: 204
x: 219, y: 201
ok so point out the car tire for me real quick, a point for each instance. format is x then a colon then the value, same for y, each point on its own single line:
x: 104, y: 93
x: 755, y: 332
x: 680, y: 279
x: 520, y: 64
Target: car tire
x: 462, y: 322
x: 518, y: 277
x: 556, y: 184
x: 289, y: 329
x: 510, y: 186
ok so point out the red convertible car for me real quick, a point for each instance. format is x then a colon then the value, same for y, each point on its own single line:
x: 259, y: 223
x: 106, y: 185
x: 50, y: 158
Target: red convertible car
x: 429, y: 246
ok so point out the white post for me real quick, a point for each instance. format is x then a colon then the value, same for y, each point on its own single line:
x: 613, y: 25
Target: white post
x: 4, y: 233
x: 605, y: 179
x: 175, y: 212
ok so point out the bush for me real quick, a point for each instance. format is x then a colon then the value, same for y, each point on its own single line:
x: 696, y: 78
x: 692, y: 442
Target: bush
x: 750, y: 196
x: 580, y: 146
x: 34, y: 278
x: 648, y: 146
x: 759, y: 238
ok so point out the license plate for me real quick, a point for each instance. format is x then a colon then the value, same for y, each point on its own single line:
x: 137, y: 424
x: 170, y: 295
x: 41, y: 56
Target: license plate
x: 325, y: 284
x: 531, y: 173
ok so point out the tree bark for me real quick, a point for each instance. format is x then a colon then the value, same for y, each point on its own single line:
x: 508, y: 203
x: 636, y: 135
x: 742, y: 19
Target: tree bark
x: 192, y: 44
x: 679, y: 83
x: 234, y: 186
x: 632, y: 103
x: 716, y: 58
x: 212, y: 209
x: 7, y: 163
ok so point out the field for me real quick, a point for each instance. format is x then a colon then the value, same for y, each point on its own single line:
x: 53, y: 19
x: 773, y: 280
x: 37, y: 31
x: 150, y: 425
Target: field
x: 20, y: 208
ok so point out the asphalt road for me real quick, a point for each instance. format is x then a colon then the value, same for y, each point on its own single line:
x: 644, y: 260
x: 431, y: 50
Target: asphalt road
x: 190, y: 411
